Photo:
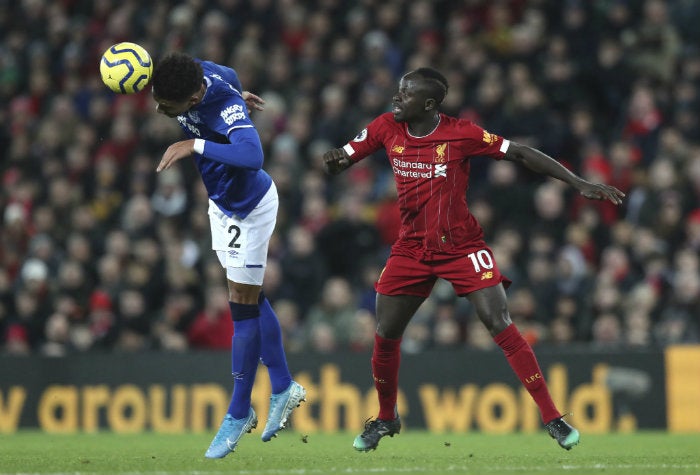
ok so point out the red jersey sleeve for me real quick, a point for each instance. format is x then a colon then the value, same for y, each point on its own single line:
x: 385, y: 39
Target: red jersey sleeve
x: 478, y: 141
x: 371, y: 138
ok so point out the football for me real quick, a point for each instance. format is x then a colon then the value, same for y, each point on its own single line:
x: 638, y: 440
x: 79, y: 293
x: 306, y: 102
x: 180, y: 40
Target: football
x: 126, y: 68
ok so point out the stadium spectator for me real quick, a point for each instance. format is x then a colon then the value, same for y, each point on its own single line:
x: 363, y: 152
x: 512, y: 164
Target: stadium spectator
x: 335, y: 309
x: 361, y: 336
x: 654, y: 44
x: 348, y: 240
x: 292, y: 328
x: 303, y: 274
x: 211, y: 328
x: 63, y: 125
x: 607, y: 331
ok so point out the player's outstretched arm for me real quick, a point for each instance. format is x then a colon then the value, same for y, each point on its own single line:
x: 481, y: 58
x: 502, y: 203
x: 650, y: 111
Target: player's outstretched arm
x: 336, y: 160
x: 541, y: 163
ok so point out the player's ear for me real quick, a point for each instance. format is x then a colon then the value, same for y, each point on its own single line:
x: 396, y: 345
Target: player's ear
x: 194, y: 100
x: 197, y: 97
x: 430, y: 104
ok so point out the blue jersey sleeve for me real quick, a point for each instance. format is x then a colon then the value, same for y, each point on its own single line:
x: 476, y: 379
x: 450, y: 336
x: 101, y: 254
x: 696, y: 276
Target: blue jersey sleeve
x: 244, y: 151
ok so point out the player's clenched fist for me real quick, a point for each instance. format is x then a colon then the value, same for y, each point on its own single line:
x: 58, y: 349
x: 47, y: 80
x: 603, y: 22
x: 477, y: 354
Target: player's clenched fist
x: 336, y: 161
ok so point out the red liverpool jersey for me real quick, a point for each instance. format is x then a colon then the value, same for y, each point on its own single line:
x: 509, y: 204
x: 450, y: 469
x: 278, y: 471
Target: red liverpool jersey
x: 432, y: 175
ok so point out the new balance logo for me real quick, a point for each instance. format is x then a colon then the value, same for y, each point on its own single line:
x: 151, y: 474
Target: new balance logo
x: 489, y: 138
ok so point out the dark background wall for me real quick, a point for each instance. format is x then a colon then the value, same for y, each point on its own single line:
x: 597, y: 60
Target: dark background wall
x: 441, y: 391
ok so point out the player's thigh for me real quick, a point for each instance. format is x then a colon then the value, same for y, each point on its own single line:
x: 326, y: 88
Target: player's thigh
x: 394, y: 312
x: 401, y: 288
x: 241, y: 244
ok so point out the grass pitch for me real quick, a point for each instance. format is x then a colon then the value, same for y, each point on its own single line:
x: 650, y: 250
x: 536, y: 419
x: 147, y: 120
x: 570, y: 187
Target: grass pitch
x: 413, y: 452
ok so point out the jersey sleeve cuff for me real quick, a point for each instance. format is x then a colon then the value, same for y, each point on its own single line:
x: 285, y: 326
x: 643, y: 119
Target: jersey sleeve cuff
x: 504, y: 145
x: 199, y: 146
x: 349, y: 150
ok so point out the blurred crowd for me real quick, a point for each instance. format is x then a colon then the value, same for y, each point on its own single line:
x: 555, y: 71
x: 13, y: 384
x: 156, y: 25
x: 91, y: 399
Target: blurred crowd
x: 100, y: 253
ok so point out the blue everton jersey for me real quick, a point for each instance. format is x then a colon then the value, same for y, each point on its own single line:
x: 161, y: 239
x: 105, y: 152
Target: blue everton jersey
x: 220, y: 114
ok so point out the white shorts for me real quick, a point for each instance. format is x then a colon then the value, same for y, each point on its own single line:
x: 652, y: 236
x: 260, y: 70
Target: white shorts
x: 241, y: 244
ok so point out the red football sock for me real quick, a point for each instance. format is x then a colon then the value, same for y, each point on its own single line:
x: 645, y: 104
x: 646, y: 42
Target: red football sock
x: 523, y: 361
x: 386, y: 358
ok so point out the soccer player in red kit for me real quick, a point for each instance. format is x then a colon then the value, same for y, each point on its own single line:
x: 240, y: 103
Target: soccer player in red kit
x: 439, y: 238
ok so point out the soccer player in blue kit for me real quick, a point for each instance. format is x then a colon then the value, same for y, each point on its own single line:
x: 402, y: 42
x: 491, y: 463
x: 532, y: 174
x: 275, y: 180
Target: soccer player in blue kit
x: 209, y: 103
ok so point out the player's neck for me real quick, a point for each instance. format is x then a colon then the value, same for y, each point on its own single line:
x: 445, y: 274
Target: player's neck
x: 425, y: 127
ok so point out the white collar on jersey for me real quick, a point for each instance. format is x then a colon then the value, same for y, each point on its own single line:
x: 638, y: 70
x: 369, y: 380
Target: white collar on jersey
x: 422, y: 136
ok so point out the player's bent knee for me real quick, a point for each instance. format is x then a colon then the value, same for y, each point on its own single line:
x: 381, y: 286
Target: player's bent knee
x: 496, y: 323
x: 244, y: 293
x: 244, y: 311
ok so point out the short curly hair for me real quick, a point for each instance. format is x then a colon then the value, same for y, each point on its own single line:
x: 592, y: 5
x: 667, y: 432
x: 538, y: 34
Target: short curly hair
x: 436, y: 82
x: 176, y: 77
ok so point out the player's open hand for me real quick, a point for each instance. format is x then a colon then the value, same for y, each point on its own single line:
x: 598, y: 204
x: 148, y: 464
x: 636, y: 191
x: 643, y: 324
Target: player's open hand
x: 252, y: 101
x: 175, y: 152
x: 336, y: 160
x: 600, y: 191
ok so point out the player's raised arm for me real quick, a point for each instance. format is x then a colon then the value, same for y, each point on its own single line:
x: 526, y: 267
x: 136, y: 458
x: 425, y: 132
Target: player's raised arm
x: 540, y: 162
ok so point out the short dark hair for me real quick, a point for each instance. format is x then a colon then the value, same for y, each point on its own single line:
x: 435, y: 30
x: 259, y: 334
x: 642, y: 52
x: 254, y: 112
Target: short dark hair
x: 435, y: 81
x: 176, y: 77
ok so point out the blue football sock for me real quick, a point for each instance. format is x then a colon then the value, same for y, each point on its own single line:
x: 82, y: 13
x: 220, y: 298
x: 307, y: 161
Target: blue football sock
x: 245, y: 355
x: 272, y: 348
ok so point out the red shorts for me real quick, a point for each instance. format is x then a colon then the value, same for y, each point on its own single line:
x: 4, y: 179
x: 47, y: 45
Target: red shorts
x: 475, y: 270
